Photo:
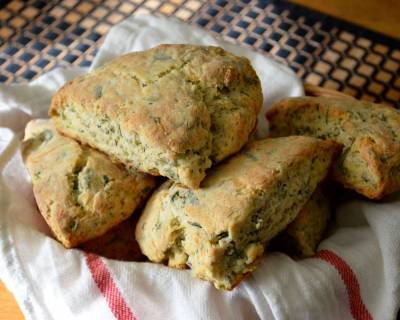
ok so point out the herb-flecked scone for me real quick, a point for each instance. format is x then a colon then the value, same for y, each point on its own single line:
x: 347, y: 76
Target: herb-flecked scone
x: 79, y: 191
x: 220, y: 230
x: 370, y: 133
x: 303, y: 235
x: 172, y: 110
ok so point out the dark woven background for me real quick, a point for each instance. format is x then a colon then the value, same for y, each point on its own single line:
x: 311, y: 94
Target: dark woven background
x: 36, y: 36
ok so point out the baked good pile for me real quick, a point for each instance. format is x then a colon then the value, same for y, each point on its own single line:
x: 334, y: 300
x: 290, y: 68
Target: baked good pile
x: 154, y: 154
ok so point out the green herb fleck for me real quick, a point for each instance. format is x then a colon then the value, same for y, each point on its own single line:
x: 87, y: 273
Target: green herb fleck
x: 106, y: 180
x: 382, y: 117
x: 249, y: 155
x: 175, y: 196
x: 195, y: 224
x: 327, y: 116
x: 156, y: 120
x: 192, y: 198
x: 46, y: 135
x: 162, y: 56
x: 282, y: 189
x: 365, y: 178
x: 186, y: 196
x: 340, y: 162
x: 98, y: 92
x: 157, y: 226
x: 74, y: 225
x: 151, y: 99
x: 222, y: 235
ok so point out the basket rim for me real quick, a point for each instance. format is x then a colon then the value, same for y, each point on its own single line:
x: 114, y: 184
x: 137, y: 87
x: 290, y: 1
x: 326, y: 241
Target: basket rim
x: 316, y: 91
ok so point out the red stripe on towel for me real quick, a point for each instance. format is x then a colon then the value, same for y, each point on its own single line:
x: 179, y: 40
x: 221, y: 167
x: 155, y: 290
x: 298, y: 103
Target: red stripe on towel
x: 357, y: 306
x: 104, y: 281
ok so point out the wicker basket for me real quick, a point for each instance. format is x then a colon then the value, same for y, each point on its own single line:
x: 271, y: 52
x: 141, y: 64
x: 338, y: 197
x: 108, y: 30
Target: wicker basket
x: 315, y: 91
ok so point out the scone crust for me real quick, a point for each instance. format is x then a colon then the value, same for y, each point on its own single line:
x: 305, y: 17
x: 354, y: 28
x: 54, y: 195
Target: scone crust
x: 370, y: 133
x: 80, y: 193
x: 220, y: 230
x: 171, y: 110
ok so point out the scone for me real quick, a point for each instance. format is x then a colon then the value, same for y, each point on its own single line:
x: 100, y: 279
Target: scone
x: 220, y: 230
x: 370, y: 133
x: 79, y: 191
x: 303, y: 235
x: 172, y: 110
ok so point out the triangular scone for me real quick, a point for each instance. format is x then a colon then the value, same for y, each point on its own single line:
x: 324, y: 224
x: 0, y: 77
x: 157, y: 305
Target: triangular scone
x: 79, y: 191
x: 370, y: 133
x: 220, y: 230
x: 172, y: 110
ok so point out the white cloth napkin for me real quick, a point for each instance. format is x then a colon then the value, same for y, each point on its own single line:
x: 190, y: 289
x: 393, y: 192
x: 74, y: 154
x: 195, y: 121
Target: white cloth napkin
x: 355, y: 274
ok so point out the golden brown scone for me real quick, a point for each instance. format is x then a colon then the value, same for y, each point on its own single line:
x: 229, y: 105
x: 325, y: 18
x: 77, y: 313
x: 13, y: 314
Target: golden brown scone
x: 220, y: 229
x: 170, y: 111
x: 303, y: 235
x: 118, y: 243
x: 370, y: 133
x: 79, y: 191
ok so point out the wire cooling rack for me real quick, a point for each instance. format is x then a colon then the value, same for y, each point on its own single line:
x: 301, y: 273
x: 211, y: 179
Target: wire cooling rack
x: 36, y: 36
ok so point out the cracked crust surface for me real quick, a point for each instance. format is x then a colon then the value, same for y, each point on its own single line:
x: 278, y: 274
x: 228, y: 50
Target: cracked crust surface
x: 80, y: 193
x: 172, y: 110
x: 220, y: 230
x: 370, y: 133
